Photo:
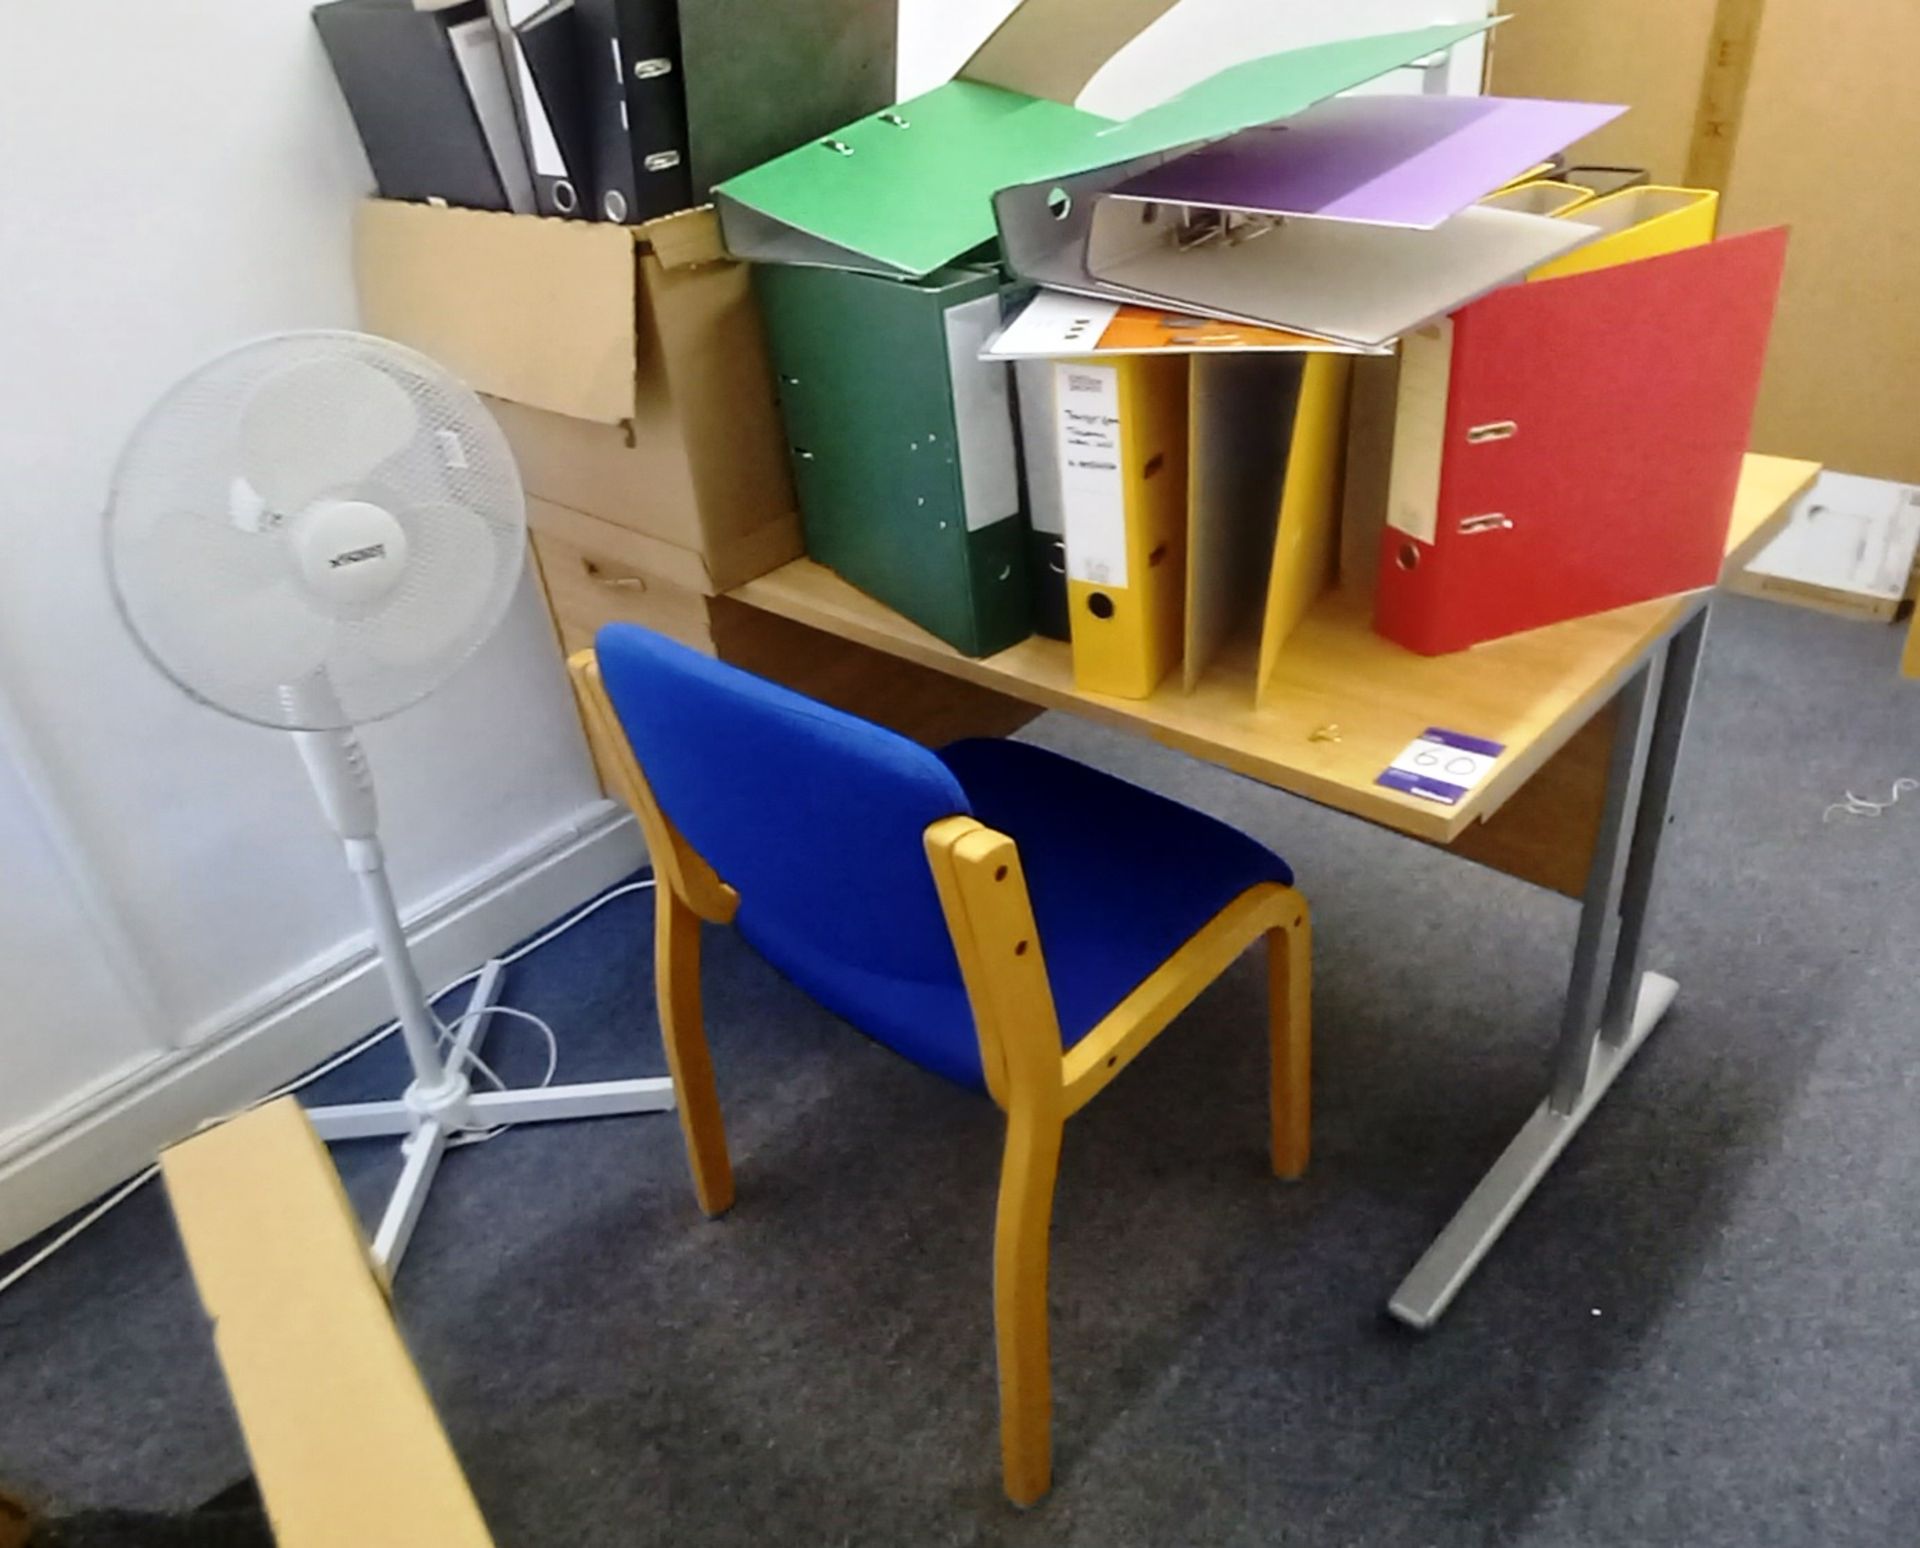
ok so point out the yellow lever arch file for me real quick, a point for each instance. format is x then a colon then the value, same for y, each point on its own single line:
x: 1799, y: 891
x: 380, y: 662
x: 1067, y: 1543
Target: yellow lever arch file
x: 1636, y: 223
x: 1307, y: 541
x: 1122, y: 435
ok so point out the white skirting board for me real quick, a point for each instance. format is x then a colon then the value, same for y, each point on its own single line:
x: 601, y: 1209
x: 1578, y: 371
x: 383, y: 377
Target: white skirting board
x: 51, y: 1167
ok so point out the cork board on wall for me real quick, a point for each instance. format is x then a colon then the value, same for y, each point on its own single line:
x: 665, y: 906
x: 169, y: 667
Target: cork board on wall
x: 1826, y: 126
x: 1826, y: 145
x: 1645, y: 53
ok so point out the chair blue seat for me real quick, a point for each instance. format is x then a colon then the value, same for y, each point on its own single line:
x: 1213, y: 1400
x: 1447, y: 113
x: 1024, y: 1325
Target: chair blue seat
x: 1120, y: 878
x: 817, y: 820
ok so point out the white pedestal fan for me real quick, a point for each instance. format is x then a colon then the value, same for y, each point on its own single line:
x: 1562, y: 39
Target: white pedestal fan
x: 311, y: 532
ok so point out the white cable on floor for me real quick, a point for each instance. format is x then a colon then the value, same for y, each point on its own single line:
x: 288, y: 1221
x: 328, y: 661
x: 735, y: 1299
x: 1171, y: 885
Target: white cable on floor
x: 1860, y: 806
x: 134, y: 1184
x: 447, y: 1034
x: 119, y: 1196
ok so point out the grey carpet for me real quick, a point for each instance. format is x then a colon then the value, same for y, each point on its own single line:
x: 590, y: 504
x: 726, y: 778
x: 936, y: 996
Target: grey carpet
x: 1704, y: 1329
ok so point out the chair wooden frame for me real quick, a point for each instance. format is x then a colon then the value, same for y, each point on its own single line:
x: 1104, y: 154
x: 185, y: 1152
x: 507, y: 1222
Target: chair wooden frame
x: 983, y: 894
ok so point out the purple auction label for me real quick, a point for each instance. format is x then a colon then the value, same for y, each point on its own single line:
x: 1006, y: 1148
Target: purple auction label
x: 1441, y: 765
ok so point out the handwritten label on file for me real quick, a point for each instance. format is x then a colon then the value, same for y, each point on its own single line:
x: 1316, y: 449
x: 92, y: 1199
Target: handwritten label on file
x: 1093, y: 492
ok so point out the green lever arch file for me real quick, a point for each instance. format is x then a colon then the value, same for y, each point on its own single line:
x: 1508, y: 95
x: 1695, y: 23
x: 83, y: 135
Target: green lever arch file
x: 911, y: 188
x: 902, y: 443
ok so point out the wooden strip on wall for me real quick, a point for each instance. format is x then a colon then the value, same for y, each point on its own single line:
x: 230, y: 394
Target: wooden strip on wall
x: 1723, y: 92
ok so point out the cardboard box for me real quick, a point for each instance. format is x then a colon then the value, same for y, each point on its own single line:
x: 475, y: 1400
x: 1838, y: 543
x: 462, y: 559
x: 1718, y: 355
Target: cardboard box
x: 1849, y: 548
x: 626, y: 365
x: 344, y: 1440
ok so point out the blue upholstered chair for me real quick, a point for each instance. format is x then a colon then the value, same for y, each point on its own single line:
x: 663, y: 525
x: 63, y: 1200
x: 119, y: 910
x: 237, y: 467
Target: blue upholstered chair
x: 1006, y: 917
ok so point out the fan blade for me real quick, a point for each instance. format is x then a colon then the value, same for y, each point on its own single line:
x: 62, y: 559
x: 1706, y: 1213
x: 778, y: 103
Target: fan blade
x: 219, y: 608
x: 321, y: 424
x: 452, y: 561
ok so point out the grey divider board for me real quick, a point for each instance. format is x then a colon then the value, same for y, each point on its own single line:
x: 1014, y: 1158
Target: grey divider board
x: 1240, y: 412
x: 1373, y: 403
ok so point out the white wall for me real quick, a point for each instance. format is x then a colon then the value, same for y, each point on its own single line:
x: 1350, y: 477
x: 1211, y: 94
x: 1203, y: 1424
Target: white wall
x: 177, y: 177
x: 68, y: 1017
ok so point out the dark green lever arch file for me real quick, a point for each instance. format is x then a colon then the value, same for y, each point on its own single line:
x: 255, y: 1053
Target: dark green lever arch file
x: 902, y: 443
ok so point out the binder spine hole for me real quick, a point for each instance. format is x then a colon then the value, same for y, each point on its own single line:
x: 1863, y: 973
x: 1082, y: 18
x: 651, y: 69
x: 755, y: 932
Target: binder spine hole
x: 1154, y: 464
x: 1060, y: 202
x: 896, y: 120
x: 1100, y: 605
x: 803, y: 454
x: 999, y: 873
x: 565, y: 199
x: 1158, y: 556
x: 1499, y: 430
x: 1019, y: 948
x: 839, y: 146
x: 1408, y: 558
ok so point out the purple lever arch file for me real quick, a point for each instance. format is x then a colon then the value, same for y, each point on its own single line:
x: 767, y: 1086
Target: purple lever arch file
x: 1391, y: 161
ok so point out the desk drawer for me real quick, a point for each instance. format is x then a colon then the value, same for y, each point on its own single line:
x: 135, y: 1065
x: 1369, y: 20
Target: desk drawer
x: 590, y: 587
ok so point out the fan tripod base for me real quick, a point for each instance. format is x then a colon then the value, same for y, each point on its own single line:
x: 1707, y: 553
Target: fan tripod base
x: 431, y: 1119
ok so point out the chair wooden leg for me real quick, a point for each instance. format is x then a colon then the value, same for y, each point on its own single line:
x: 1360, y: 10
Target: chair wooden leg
x: 676, y: 970
x: 1290, y: 1031
x: 1027, y: 1174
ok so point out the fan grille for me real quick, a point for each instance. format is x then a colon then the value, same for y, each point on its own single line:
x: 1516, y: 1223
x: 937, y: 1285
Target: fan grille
x: 221, y: 482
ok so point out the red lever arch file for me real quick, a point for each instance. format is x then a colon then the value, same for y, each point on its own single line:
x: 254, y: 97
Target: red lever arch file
x: 1573, y: 445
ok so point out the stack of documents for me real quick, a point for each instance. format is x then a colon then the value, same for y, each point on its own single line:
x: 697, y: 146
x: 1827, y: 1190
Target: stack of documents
x: 903, y: 201
x: 618, y: 110
x: 1156, y: 382
x: 1150, y: 383
x: 1560, y: 446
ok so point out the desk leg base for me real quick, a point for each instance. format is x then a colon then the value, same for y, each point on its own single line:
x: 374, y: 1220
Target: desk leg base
x: 1427, y: 1292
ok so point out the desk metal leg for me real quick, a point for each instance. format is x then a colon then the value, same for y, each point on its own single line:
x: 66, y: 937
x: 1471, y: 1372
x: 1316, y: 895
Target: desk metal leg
x: 1656, y: 816
x: 1612, y: 1002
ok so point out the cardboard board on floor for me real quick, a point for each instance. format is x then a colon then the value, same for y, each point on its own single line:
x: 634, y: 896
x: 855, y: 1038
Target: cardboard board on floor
x: 345, y: 1443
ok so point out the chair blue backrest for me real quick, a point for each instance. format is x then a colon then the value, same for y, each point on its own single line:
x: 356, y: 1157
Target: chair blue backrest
x: 816, y: 819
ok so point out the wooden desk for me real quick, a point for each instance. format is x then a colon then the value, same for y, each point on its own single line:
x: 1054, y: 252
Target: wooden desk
x: 1348, y: 701
x: 1585, y: 794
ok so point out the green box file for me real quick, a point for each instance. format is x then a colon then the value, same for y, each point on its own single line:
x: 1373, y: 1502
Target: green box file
x: 903, y: 445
